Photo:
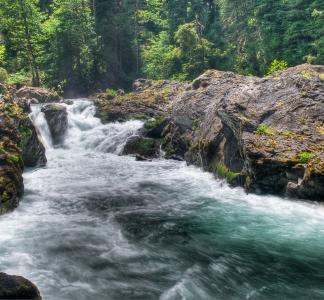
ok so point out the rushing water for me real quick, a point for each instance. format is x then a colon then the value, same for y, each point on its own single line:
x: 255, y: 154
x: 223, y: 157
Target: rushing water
x: 95, y: 225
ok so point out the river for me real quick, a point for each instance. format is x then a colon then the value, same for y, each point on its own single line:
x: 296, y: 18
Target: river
x: 96, y: 225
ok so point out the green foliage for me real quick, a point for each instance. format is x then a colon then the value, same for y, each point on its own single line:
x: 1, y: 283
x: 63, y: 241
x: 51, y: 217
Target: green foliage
x: 2, y: 54
x: 277, y: 65
x: 90, y: 45
x: 264, y: 129
x: 3, y: 75
x: 305, y: 157
x: 111, y: 94
x: 19, y: 79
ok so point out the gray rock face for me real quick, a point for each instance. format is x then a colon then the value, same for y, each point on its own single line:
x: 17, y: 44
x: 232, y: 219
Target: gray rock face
x: 16, y: 287
x: 42, y: 95
x: 57, y: 120
x: 263, y: 133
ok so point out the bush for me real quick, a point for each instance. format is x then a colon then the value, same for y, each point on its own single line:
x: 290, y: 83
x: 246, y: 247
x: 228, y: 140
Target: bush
x: 19, y: 79
x: 111, y: 94
x: 3, y: 75
x: 277, y: 65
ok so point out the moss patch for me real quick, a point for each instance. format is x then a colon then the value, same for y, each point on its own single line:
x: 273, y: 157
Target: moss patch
x: 225, y: 173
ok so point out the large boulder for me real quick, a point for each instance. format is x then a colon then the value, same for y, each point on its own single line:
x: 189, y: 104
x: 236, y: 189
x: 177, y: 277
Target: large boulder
x: 57, y: 119
x: 41, y: 95
x: 16, y: 287
x: 263, y: 133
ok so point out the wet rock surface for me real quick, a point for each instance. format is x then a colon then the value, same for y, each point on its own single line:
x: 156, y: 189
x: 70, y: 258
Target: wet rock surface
x: 19, y: 147
x: 265, y: 134
x: 16, y: 287
x: 57, y: 120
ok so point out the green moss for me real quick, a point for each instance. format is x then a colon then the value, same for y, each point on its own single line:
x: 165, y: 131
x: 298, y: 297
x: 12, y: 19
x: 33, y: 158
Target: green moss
x: 264, y: 129
x: 14, y: 158
x: 25, y: 134
x: 152, y: 123
x: 225, y: 173
x: 305, y: 157
x: 195, y: 124
x: 321, y: 76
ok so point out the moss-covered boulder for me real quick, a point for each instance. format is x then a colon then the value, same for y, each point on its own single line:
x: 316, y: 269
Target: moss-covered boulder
x: 16, y: 287
x: 143, y: 147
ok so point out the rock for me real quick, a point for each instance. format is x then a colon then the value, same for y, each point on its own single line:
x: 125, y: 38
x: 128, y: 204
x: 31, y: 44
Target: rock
x: 3, y: 89
x: 150, y: 99
x: 42, y: 95
x: 144, y: 148
x: 67, y: 101
x: 33, y: 151
x: 253, y: 131
x: 19, y: 147
x: 16, y: 287
x: 265, y: 134
x: 57, y: 120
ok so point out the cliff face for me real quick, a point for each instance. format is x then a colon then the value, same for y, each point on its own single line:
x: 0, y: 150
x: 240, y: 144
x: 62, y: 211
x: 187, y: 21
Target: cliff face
x: 19, y: 147
x: 265, y: 134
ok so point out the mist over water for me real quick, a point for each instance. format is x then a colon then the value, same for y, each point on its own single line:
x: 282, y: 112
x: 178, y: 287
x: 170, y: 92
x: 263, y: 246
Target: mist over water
x: 96, y: 225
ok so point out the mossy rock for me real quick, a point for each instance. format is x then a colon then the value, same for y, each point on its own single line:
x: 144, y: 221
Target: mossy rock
x: 145, y: 147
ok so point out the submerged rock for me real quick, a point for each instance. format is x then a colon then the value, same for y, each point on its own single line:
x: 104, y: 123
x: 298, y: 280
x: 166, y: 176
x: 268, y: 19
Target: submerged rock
x: 57, y: 120
x: 265, y: 134
x: 16, y: 287
x: 41, y: 95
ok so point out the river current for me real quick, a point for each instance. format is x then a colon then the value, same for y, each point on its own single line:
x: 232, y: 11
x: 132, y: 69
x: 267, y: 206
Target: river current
x: 97, y: 225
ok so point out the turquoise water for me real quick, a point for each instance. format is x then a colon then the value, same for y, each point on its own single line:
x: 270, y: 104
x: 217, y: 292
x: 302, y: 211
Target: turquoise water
x: 96, y: 225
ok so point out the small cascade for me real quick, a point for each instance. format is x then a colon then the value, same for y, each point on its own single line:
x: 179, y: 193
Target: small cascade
x: 86, y: 131
x: 41, y: 125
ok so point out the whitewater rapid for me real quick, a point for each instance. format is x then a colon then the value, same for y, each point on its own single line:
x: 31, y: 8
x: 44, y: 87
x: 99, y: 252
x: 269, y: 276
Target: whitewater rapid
x: 97, y: 225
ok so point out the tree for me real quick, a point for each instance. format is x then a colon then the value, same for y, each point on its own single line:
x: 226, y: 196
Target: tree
x: 21, y: 23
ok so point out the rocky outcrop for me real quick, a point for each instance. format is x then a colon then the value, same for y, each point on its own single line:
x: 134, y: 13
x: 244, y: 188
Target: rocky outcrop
x: 38, y: 95
x: 265, y: 134
x: 19, y: 147
x: 16, y: 287
x: 57, y: 120
x: 149, y: 99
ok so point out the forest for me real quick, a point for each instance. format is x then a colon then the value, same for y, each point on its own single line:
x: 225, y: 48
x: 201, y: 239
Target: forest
x: 91, y: 45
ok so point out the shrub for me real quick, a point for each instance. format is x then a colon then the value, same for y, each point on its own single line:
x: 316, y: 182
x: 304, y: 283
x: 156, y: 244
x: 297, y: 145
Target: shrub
x: 263, y: 129
x: 305, y: 157
x: 19, y: 79
x: 3, y: 75
x: 111, y: 94
x: 277, y: 65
